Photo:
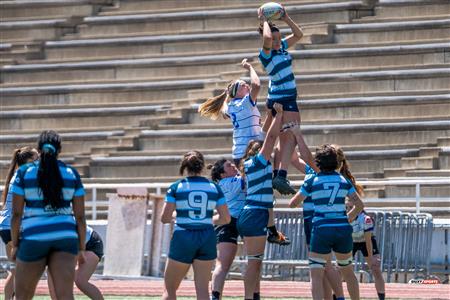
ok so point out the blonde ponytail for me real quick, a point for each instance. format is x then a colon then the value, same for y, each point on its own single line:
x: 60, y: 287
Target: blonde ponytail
x: 214, y: 107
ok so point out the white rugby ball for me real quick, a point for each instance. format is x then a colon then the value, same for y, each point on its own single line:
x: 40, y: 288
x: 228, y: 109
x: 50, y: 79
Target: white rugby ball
x: 272, y: 11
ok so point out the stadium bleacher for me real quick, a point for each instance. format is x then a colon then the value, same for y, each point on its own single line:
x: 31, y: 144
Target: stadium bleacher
x: 121, y: 80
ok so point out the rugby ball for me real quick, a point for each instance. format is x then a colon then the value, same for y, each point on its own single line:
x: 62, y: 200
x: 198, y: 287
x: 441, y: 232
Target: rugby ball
x: 272, y: 11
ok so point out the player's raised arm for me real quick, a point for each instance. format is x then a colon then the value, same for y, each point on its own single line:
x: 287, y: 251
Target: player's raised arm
x: 255, y: 83
x: 297, y: 32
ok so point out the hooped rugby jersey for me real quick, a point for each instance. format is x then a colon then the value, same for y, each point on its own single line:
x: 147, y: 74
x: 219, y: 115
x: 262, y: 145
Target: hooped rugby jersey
x: 195, y: 199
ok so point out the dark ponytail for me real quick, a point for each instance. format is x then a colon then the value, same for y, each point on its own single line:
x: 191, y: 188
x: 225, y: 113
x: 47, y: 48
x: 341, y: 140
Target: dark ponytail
x: 20, y: 157
x: 217, y: 169
x: 193, y: 161
x: 49, y: 177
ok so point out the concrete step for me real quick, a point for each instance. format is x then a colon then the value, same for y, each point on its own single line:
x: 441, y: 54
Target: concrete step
x: 376, y: 19
x: 73, y: 118
x: 375, y: 109
x: 138, y: 6
x: 428, y: 173
x: 99, y: 92
x: 443, y: 141
x: 165, y: 164
x: 362, y: 134
x: 37, y: 9
x: 444, y: 158
x: 305, y: 62
x: 152, y: 45
x: 425, y: 162
x: 426, y: 191
x: 74, y: 142
x: 401, y: 8
x: 166, y: 23
x: 429, y: 151
x: 39, y: 30
x: 392, y: 31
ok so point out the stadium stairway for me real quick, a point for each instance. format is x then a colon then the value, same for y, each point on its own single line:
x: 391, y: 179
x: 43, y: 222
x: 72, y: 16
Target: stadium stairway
x: 122, y: 80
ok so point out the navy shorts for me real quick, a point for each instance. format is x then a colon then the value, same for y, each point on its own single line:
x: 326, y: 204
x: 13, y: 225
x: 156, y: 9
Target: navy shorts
x: 30, y: 250
x: 362, y: 247
x: 253, y: 222
x: 187, y: 245
x: 95, y: 244
x: 327, y: 239
x: 289, y: 104
x: 307, y: 228
x: 5, y: 235
x: 227, y: 233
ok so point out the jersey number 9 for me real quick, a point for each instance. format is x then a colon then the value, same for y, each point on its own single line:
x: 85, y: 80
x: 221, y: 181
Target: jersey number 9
x: 199, y: 202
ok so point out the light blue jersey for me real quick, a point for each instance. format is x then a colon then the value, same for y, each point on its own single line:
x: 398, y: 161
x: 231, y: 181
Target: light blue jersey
x: 42, y: 222
x: 258, y: 176
x: 195, y: 198
x: 278, y: 65
x: 234, y: 190
x: 328, y: 191
x: 246, y: 121
x: 308, y: 204
x: 5, y: 214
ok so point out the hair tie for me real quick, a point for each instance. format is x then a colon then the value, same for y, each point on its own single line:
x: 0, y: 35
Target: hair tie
x: 49, y: 147
x: 235, y: 89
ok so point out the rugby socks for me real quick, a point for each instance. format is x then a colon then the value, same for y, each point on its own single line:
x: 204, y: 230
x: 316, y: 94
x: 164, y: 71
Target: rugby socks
x: 381, y: 296
x: 272, y: 230
x: 275, y: 173
x: 282, y: 173
x: 215, y: 295
x: 339, y: 298
x: 256, y: 296
x: 334, y: 297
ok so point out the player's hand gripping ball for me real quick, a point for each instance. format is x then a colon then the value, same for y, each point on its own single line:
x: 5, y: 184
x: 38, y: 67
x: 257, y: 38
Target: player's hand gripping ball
x: 271, y: 11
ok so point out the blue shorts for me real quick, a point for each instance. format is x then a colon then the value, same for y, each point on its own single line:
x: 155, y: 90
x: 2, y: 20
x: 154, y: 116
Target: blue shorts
x: 289, y: 104
x: 307, y: 228
x: 253, y: 222
x: 5, y: 234
x: 187, y: 245
x: 30, y: 250
x: 327, y: 239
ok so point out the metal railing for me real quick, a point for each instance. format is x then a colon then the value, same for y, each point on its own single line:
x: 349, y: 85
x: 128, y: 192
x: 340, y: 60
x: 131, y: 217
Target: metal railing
x: 94, y: 200
x: 404, y: 241
x: 157, y: 188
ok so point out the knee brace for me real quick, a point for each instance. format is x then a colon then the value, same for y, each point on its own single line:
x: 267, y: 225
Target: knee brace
x: 255, y: 257
x: 344, y: 262
x: 317, y: 263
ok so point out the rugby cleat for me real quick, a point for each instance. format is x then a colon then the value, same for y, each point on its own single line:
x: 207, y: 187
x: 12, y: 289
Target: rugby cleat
x: 279, y: 239
x: 283, y: 186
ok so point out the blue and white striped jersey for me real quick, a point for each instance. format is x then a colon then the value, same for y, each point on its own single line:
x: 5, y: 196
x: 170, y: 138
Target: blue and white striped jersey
x: 195, y: 199
x: 246, y: 121
x: 5, y: 214
x: 362, y: 224
x: 234, y: 190
x: 308, y: 204
x: 42, y: 222
x: 258, y: 176
x: 278, y: 65
x: 328, y: 191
